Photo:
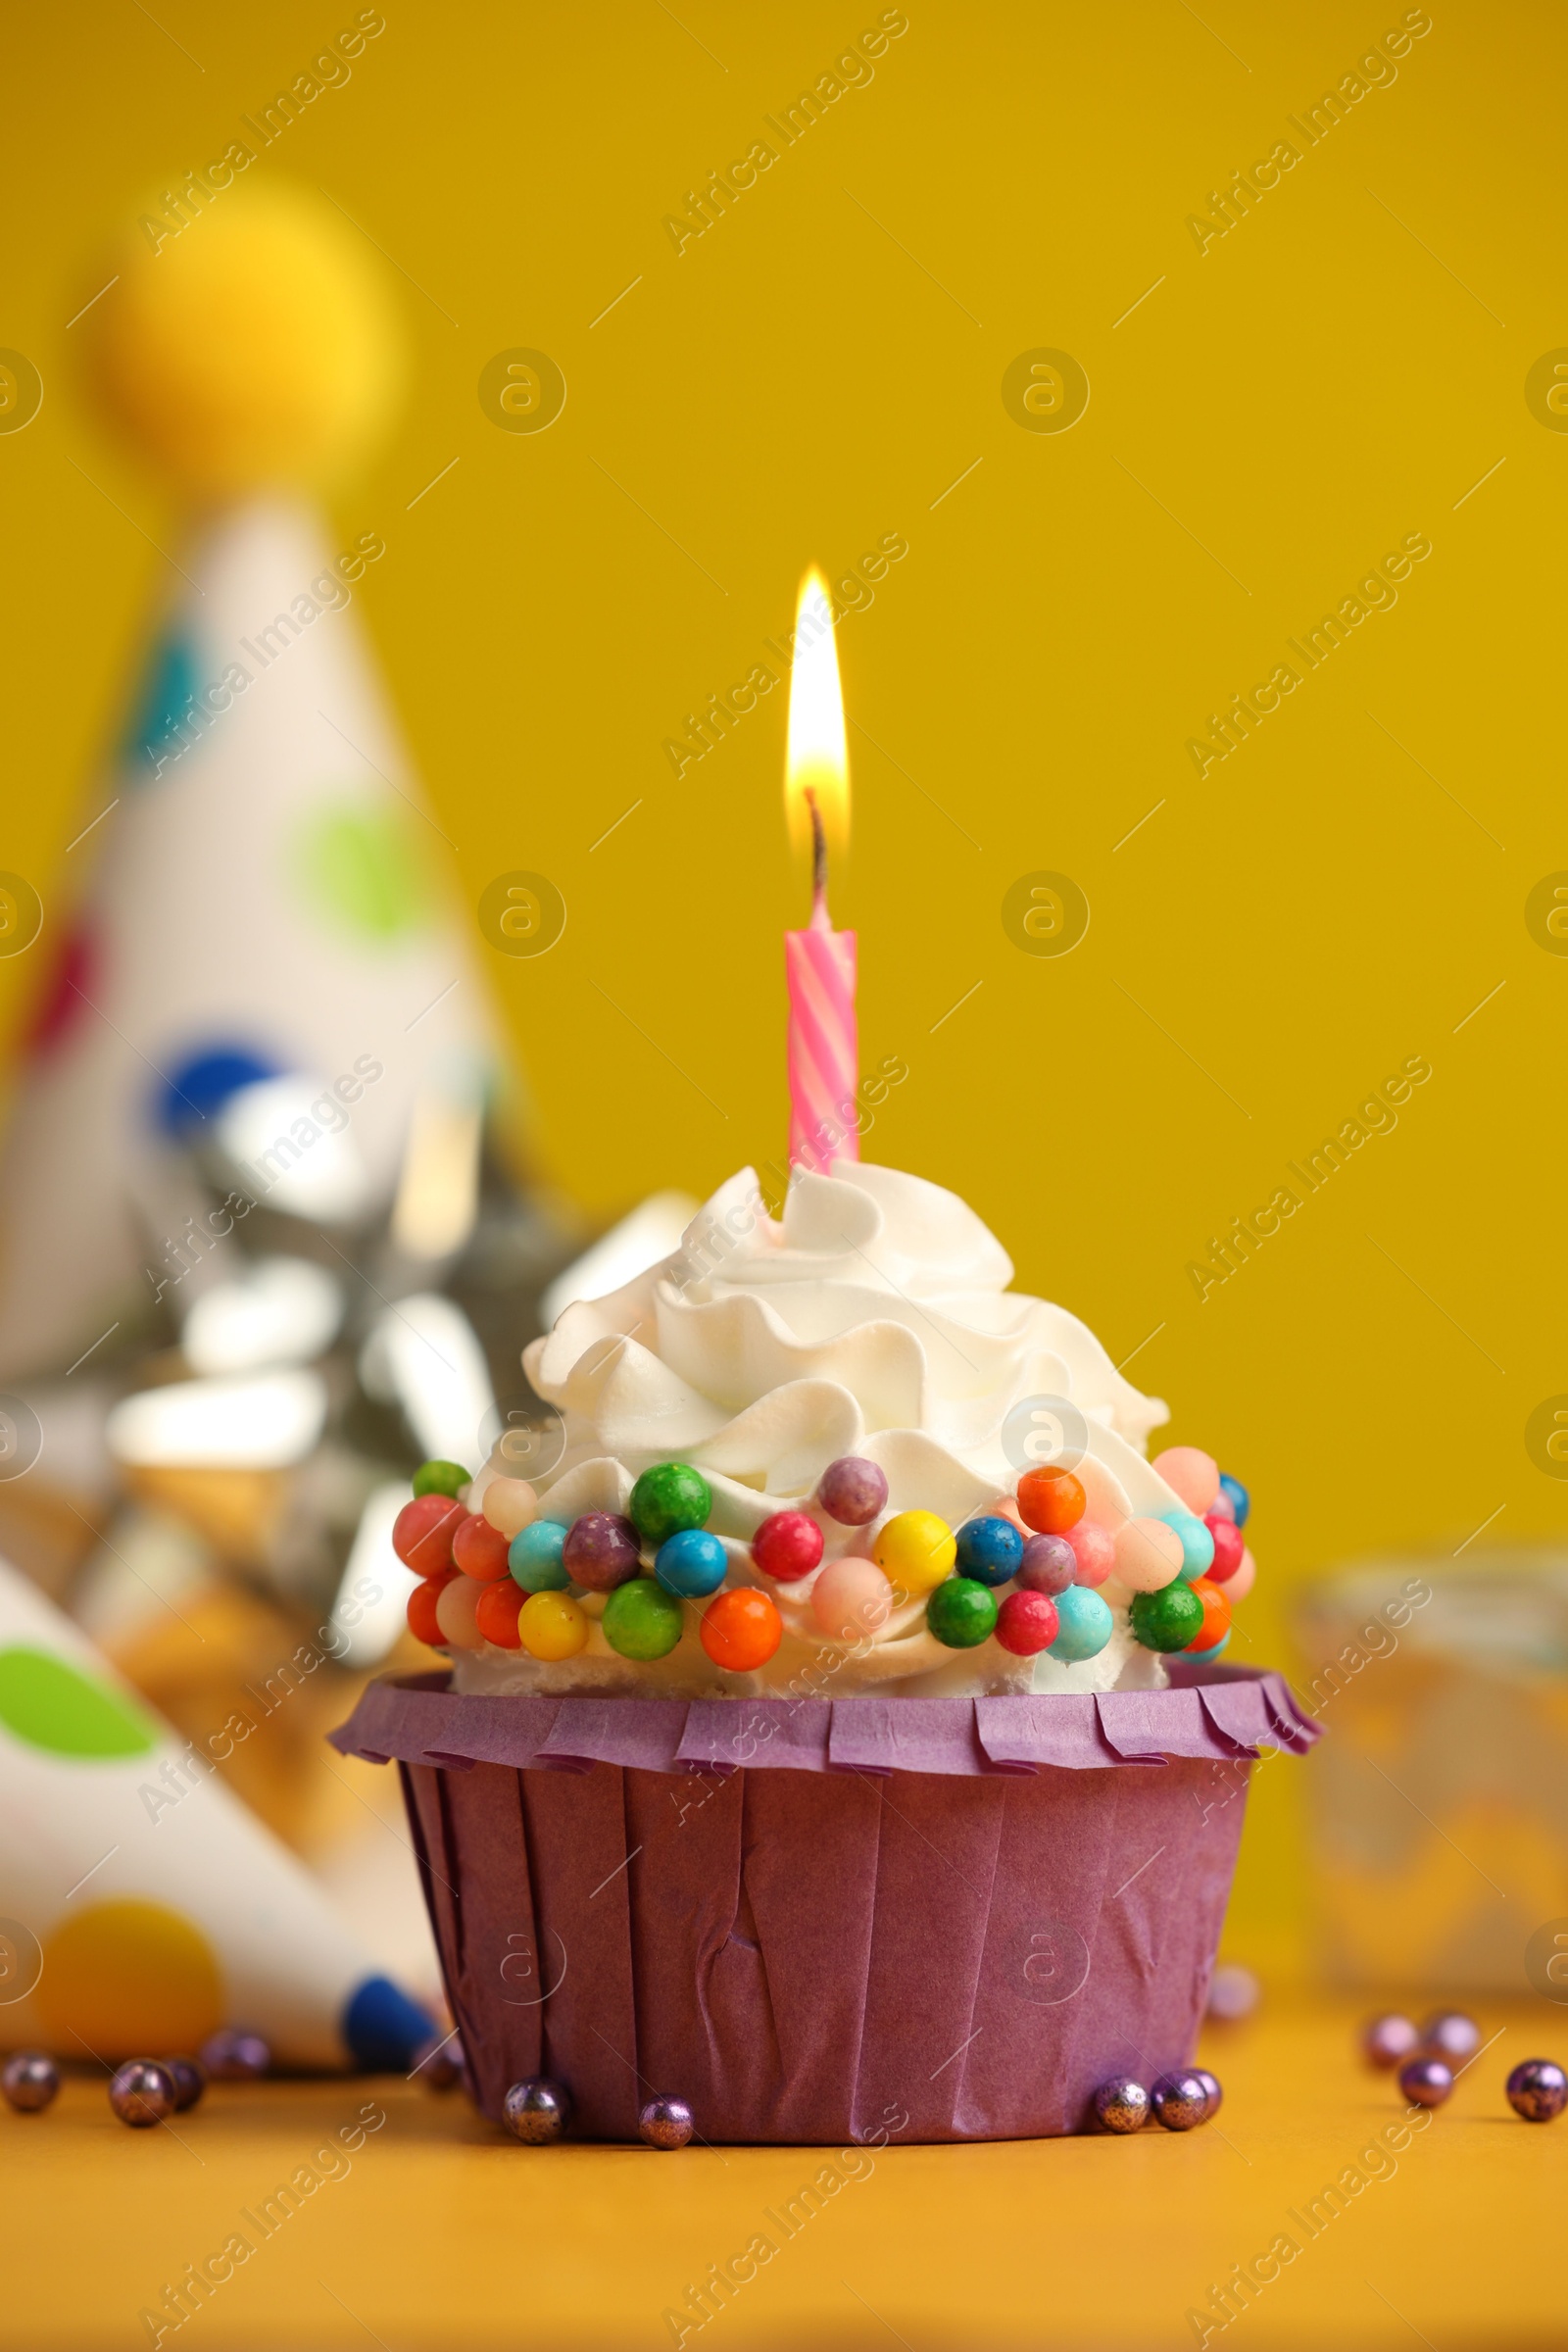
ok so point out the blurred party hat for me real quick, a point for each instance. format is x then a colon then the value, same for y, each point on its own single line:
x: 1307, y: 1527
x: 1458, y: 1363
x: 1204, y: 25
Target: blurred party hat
x: 143, y: 1906
x: 265, y: 974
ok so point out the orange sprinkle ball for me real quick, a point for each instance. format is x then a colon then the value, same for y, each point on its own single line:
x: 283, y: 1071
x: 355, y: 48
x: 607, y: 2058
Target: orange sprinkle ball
x: 479, y: 1550
x: 1050, y: 1500
x: 1216, y: 1614
x: 422, y: 1610
x: 497, y: 1614
x: 741, y: 1629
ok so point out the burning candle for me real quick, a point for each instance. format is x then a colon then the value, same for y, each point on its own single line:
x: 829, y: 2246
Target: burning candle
x: 819, y: 961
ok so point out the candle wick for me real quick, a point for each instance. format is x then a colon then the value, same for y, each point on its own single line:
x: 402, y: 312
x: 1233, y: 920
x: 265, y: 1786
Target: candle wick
x: 819, y: 912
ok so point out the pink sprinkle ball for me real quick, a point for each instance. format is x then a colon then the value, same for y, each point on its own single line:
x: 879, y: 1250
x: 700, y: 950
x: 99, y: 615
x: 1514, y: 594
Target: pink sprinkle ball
x: 1221, y: 1507
x: 852, y: 1598
x: 1027, y: 1623
x: 1149, y: 1554
x: 1094, y: 1547
x: 1242, y: 1577
x: 1189, y: 1473
x: 457, y: 1613
x: 1229, y: 1547
x: 509, y: 1505
x: 787, y: 1545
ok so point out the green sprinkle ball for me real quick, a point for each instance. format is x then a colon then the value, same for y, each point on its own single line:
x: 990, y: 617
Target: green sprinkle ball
x: 962, y: 1612
x: 668, y: 1498
x: 1167, y: 1619
x: 441, y: 1477
x: 641, y: 1620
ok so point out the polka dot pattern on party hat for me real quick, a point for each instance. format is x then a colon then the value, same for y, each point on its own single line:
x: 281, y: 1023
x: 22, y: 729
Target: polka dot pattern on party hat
x: 127, y: 1976
x: 170, y: 687
x: 52, y: 1706
x: 359, y: 869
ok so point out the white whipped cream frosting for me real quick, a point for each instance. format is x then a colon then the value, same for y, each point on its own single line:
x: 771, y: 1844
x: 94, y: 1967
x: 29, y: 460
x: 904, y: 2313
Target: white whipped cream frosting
x: 874, y: 1319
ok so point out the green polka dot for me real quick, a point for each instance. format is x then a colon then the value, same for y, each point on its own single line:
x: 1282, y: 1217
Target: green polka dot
x: 358, y: 866
x: 55, y: 1706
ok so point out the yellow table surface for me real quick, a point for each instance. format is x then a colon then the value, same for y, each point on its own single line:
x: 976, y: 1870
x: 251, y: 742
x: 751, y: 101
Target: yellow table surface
x: 444, y: 2233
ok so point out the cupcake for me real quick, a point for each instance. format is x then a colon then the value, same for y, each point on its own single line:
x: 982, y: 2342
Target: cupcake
x: 850, y: 1614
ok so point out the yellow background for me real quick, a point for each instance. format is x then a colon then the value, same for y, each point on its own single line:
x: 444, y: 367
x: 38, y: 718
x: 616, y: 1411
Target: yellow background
x: 815, y: 371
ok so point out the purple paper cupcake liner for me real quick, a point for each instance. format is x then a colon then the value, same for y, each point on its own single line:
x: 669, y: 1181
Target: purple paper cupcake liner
x: 806, y: 1918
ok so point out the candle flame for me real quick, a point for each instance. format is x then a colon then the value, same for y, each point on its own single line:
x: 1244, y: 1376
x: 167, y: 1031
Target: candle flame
x: 817, y: 759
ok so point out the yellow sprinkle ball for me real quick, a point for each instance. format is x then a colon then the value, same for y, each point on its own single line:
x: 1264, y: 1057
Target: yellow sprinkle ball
x: 552, y: 1625
x: 915, y: 1550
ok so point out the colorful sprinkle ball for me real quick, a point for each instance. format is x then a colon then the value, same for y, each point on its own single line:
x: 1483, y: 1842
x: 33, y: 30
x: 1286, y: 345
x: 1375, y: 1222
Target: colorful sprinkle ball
x: 1197, y: 1544
x: 962, y: 1612
x: 1228, y: 1546
x: 787, y: 1545
x: 1121, y: 2104
x: 1210, y: 1636
x: 1180, y: 2100
x: 1148, y: 1554
x: 1026, y: 1622
x: 643, y: 1620
x: 479, y: 1550
x: 1167, y: 1620
x: 1023, y: 1571
x: 1387, y: 2042
x: 142, y: 2094
x: 551, y: 1625
x: 667, y: 1498
x: 1047, y: 1564
x: 991, y: 1551
x: 1236, y: 1495
x: 537, y: 2111
x: 440, y: 1478
x: 457, y: 1613
x: 496, y: 1614
x: 1192, y: 1474
x: 1094, y: 1547
x: 423, y: 1533
x: 601, y: 1552
x: 666, y: 2123
x: 535, y: 1556
x: 1426, y: 2082
x: 915, y: 1550
x: 422, y: 1615
x: 1241, y: 1582
x: 691, y: 1564
x: 741, y: 1630
x: 236, y: 2055
x: 1450, y: 2035
x: 29, y: 2080
x: 852, y: 1598
x: 1537, y: 2089
x: 1050, y: 1500
x: 1085, y: 1625
x: 509, y: 1505
x: 852, y: 1491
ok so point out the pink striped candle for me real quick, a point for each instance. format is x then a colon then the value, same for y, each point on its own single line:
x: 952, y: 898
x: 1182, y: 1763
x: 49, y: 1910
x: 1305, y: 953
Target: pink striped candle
x: 824, y: 1041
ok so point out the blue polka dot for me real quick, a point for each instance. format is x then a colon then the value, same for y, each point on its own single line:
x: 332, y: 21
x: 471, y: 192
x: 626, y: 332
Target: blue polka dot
x: 171, y: 689
x: 384, y: 2029
x: 197, y: 1088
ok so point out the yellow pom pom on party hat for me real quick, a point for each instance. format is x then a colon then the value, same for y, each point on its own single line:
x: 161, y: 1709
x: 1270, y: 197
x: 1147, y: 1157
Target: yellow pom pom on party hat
x: 254, y: 346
